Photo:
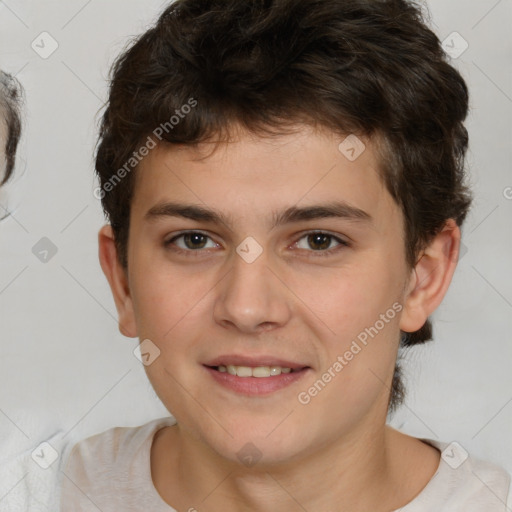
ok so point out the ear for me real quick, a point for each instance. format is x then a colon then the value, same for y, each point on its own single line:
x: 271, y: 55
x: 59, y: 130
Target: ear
x: 431, y: 278
x: 117, y: 279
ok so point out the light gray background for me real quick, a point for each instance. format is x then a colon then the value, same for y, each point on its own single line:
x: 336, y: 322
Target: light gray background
x: 64, y: 366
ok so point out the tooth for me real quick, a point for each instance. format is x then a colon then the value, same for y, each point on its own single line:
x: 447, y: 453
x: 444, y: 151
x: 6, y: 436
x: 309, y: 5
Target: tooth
x: 244, y: 371
x: 248, y: 371
x: 262, y: 371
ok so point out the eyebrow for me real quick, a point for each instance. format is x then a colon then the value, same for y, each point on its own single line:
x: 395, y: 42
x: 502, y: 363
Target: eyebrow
x: 334, y: 209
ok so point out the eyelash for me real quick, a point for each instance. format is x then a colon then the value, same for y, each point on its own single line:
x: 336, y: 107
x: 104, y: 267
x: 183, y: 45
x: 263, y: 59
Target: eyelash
x: 169, y: 244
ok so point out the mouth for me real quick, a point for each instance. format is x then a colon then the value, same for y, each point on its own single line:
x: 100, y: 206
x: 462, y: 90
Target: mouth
x: 255, y: 376
x: 256, y: 371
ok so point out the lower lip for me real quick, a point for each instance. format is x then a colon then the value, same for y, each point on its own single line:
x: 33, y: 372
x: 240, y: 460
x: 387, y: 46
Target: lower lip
x: 256, y: 386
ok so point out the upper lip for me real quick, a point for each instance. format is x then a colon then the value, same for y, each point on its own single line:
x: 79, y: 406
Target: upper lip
x: 254, y: 361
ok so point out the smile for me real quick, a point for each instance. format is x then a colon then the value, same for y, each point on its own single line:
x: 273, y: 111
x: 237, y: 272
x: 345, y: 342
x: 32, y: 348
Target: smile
x: 255, y: 380
x: 248, y: 371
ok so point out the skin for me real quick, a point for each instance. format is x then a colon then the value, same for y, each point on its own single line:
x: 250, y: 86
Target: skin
x: 336, y: 452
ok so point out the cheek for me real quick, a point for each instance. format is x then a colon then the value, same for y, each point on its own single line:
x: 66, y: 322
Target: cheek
x: 361, y: 309
x: 349, y: 299
x: 163, y: 300
x: 170, y: 311
x: 357, y: 372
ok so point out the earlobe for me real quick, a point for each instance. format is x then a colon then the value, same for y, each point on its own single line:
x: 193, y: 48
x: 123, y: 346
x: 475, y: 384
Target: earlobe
x: 117, y: 279
x: 431, y: 277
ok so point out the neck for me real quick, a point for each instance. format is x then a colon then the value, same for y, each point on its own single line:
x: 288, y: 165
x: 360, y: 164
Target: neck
x: 359, y: 472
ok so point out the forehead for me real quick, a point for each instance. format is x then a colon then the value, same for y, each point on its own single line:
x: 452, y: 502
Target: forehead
x: 254, y: 177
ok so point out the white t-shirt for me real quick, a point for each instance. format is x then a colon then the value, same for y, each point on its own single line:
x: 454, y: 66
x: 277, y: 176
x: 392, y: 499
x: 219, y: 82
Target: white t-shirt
x: 111, y: 472
x: 29, y: 473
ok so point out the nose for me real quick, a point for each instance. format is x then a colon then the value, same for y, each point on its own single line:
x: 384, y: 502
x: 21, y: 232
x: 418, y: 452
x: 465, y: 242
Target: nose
x: 252, y: 298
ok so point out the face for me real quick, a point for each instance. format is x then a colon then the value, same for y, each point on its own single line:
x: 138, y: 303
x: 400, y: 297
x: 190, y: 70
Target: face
x: 299, y: 264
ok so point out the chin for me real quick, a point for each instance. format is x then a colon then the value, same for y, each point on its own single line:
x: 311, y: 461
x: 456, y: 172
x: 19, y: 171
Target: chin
x: 256, y: 445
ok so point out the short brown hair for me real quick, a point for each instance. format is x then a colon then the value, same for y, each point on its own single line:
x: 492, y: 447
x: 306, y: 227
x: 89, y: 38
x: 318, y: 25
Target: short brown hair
x: 10, y: 99
x: 367, y: 67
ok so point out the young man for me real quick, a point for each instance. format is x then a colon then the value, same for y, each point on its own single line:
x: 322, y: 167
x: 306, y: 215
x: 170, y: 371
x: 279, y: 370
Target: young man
x: 284, y: 181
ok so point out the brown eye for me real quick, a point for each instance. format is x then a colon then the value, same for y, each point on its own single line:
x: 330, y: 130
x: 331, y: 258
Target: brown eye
x: 321, y: 243
x: 194, y: 240
x: 190, y: 241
